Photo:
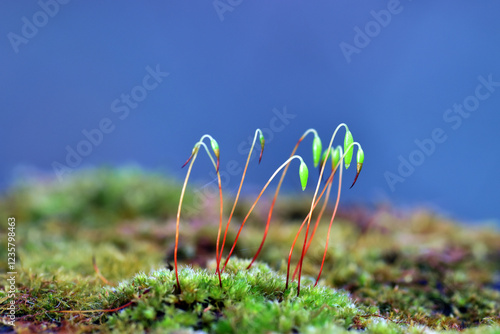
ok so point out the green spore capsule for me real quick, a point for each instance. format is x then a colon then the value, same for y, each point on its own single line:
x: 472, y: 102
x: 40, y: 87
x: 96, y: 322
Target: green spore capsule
x: 348, y: 140
x: 304, y: 174
x: 316, y: 148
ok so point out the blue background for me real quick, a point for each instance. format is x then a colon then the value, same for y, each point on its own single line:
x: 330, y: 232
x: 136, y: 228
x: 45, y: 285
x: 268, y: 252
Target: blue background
x: 228, y: 70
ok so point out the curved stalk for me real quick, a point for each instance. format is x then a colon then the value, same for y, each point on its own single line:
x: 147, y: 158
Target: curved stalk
x: 300, y: 230
x: 312, y: 203
x: 257, y: 200
x: 339, y: 164
x: 192, y: 158
x: 331, y: 221
x: 329, y: 184
x: 323, y: 207
x: 269, y: 215
x: 258, y: 131
x: 221, y: 201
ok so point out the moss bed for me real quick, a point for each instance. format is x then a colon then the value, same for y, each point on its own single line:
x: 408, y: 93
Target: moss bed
x: 385, y: 272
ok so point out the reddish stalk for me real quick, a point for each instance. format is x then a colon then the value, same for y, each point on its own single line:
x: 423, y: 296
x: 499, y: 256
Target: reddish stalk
x: 329, y: 184
x: 219, y: 258
x: 270, y: 214
x: 255, y: 203
x: 98, y: 272
x: 358, y: 170
x: 93, y: 311
x: 330, y: 226
x: 178, y: 219
x: 105, y: 310
x: 215, y: 147
x: 217, y: 253
x: 300, y: 230
x: 323, y: 207
x: 192, y: 158
x: 312, y: 204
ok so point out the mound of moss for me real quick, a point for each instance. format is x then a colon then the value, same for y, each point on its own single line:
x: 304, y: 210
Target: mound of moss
x: 250, y: 301
x: 95, y: 196
x: 385, y: 271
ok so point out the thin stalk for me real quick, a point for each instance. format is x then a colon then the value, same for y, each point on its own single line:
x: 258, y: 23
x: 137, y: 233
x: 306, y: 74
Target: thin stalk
x: 238, y: 195
x: 270, y: 214
x: 217, y: 253
x: 192, y: 158
x: 300, y: 230
x: 312, y: 203
x: 323, y: 207
x: 330, y: 179
x: 329, y: 183
x: 178, y: 219
x: 221, y: 209
x: 257, y: 200
x: 331, y: 221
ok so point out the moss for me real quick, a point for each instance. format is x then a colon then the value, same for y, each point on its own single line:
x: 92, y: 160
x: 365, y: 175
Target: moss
x: 95, y: 197
x: 250, y: 301
x: 385, y: 271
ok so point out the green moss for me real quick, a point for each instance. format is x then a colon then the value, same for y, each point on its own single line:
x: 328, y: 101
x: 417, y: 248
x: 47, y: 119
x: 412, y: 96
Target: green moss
x: 95, y: 197
x: 250, y: 301
x: 384, y: 272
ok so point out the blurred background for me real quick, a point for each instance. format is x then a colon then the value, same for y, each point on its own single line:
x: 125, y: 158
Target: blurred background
x: 90, y: 83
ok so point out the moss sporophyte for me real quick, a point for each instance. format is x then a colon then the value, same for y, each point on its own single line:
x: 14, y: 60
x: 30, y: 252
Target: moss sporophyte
x: 339, y: 157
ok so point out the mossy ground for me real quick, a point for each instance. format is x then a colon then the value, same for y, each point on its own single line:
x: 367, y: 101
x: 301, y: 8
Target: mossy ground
x: 385, y: 271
